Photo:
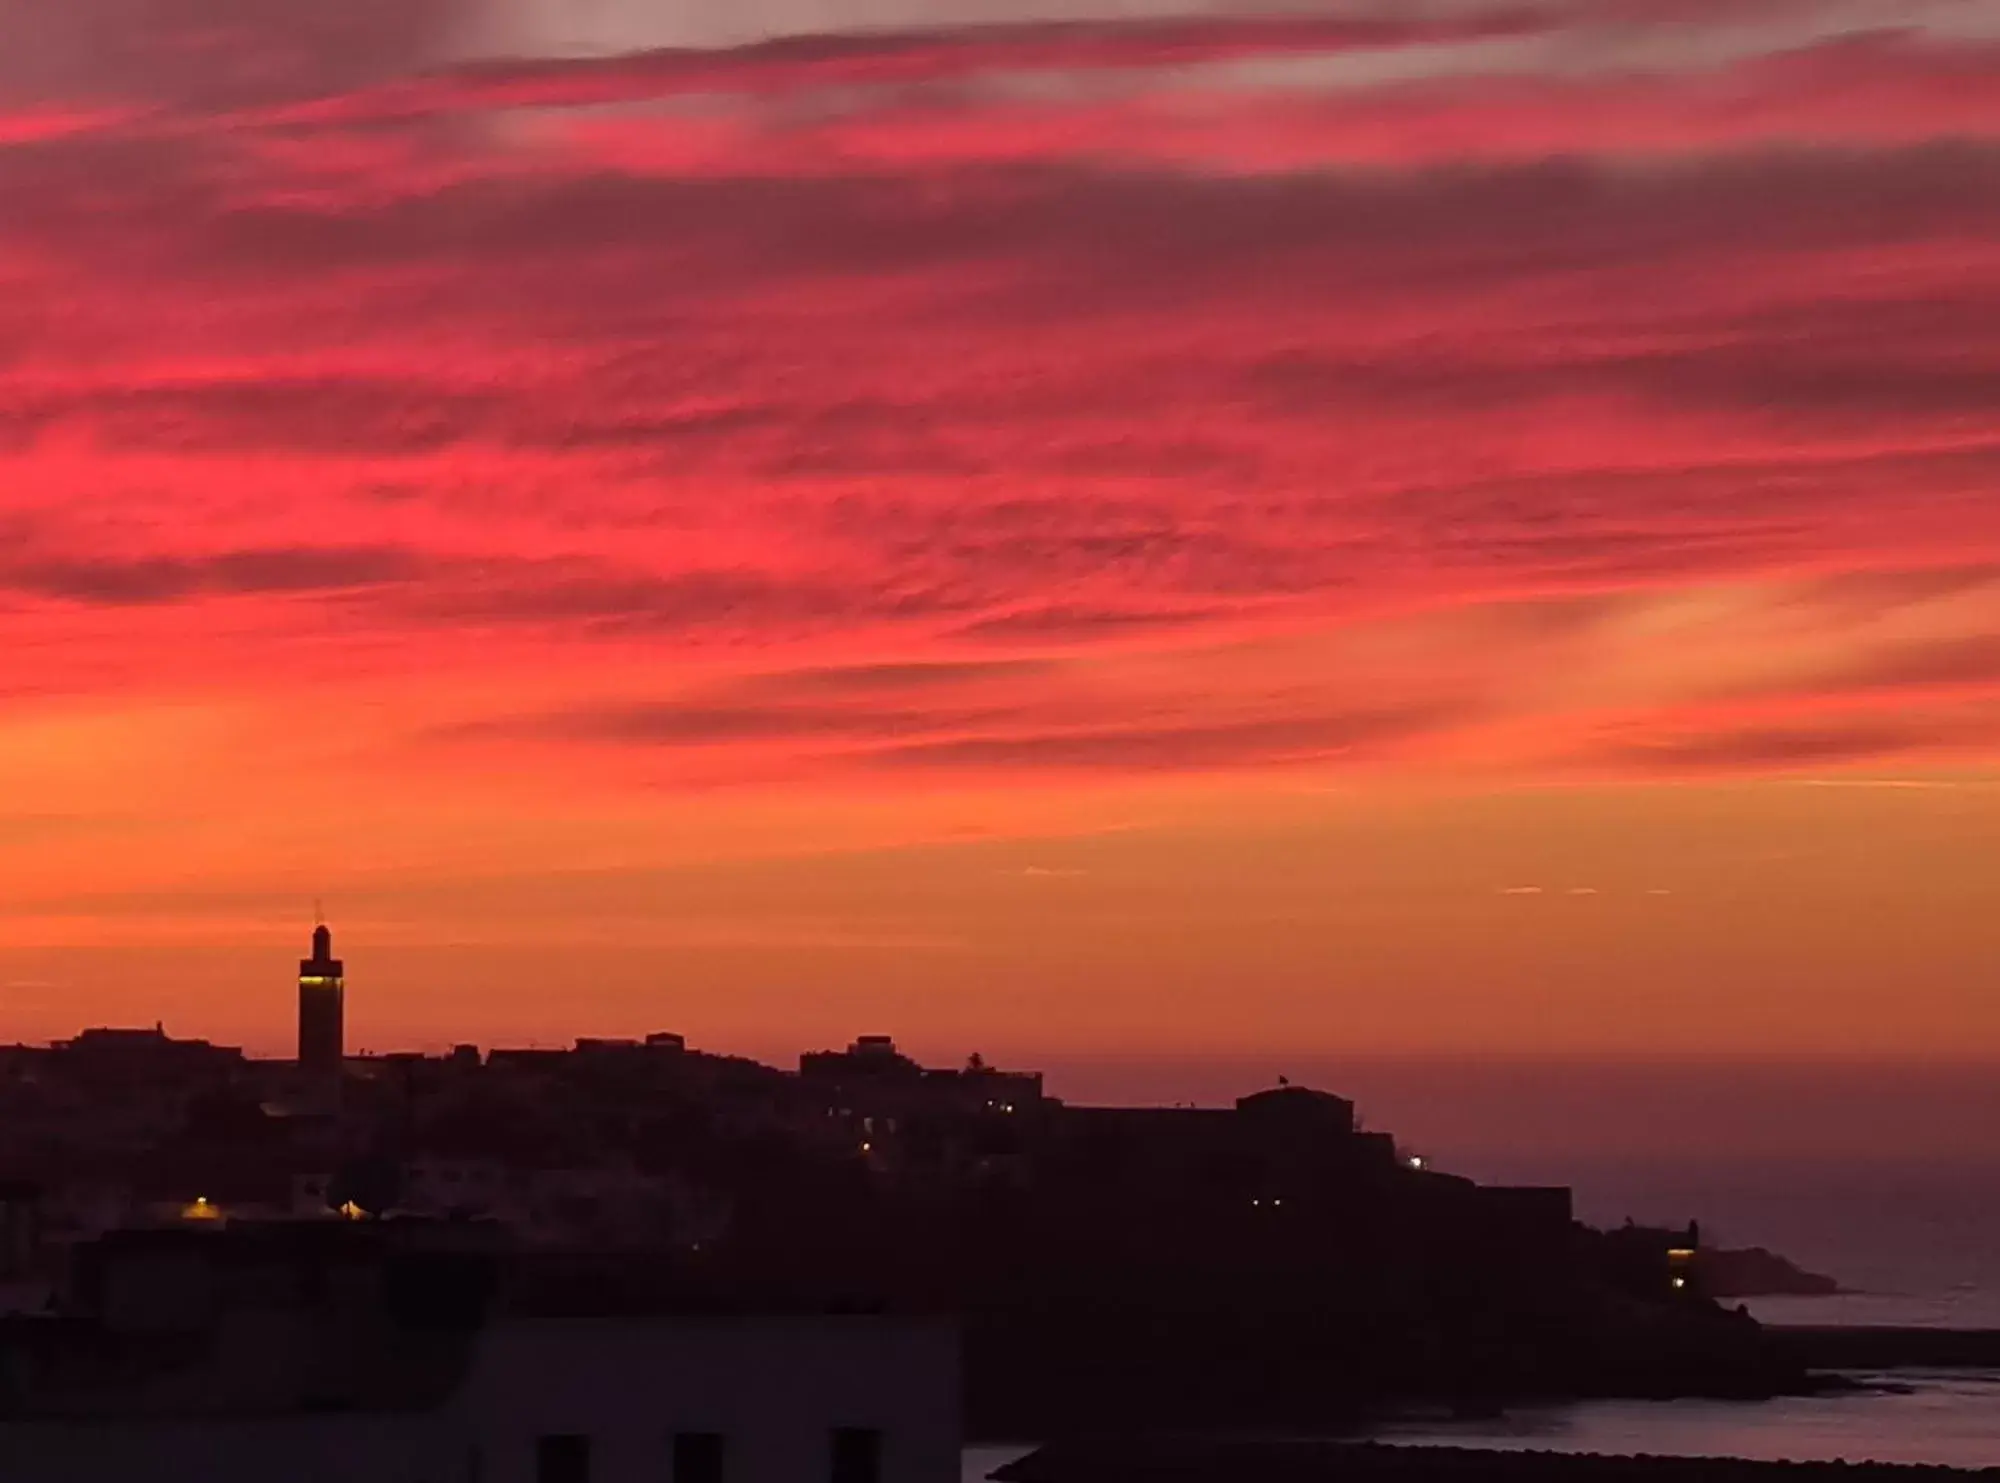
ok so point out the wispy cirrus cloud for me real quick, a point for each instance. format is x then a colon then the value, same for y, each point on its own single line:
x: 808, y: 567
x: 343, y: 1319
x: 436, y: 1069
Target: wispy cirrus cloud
x: 664, y: 491
x: 1765, y: 749
x: 908, y: 368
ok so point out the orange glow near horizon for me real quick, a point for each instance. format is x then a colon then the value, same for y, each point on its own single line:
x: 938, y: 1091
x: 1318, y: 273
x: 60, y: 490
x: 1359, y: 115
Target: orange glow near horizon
x: 1180, y: 536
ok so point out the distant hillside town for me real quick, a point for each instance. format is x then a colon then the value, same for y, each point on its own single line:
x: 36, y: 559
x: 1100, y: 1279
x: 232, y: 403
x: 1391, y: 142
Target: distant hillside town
x: 1268, y: 1263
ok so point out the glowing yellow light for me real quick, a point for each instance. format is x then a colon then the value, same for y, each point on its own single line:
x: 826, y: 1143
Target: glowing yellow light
x: 1679, y: 1283
x: 1681, y: 1254
x: 867, y: 1147
x: 353, y: 1211
x: 313, y: 981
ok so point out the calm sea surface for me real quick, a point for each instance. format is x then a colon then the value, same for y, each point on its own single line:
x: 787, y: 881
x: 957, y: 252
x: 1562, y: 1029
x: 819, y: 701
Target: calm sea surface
x: 1945, y: 1417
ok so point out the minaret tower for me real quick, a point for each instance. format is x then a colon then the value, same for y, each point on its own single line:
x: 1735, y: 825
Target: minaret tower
x: 322, y: 1007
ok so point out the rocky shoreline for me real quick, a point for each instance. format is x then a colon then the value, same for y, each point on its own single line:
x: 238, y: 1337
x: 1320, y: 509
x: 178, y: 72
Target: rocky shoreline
x: 1213, y: 1460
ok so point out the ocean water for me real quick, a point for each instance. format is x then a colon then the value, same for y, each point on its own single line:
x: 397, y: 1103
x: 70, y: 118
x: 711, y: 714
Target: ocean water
x: 978, y: 1462
x: 1949, y: 1418
x: 1943, y: 1417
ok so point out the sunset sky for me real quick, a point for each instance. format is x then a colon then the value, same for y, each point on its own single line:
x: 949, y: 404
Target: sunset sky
x: 1073, y: 530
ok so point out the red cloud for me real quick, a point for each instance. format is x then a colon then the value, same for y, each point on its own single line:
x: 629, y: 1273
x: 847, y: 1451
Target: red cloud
x: 882, y: 352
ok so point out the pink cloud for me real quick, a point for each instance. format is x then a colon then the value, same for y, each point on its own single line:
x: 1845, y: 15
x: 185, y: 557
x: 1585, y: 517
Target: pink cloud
x: 866, y: 353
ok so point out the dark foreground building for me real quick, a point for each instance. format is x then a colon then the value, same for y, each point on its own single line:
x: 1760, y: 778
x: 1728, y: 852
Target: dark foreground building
x: 401, y: 1353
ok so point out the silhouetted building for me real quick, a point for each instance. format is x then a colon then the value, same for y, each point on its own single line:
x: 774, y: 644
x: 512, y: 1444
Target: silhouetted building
x: 322, y: 1007
x: 1652, y: 1259
x: 872, y: 1058
x: 20, y: 1234
x: 1299, y: 1110
x: 121, y: 1055
x: 323, y: 1354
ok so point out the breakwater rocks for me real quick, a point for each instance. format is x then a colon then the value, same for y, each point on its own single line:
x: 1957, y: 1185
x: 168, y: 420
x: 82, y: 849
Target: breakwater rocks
x: 1232, y: 1460
x: 1884, y: 1348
